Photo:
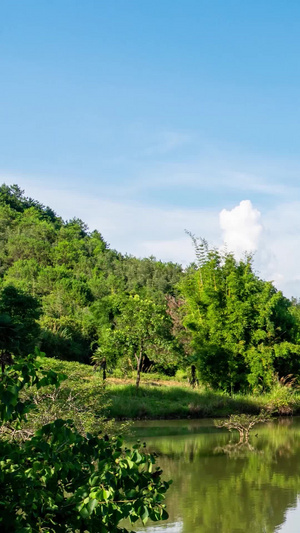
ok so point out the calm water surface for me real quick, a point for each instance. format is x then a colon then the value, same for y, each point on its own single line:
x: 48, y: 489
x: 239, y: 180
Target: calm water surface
x: 220, y: 488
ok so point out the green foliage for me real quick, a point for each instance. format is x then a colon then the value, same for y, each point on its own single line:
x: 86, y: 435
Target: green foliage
x: 80, y: 397
x: 142, y: 329
x: 61, y: 481
x: 13, y: 197
x: 64, y: 337
x: 282, y: 399
x: 243, y: 423
x: 104, y: 482
x: 77, y: 279
x: 242, y: 329
x: 24, y: 373
x: 18, y: 321
x: 237, y: 329
x: 149, y: 277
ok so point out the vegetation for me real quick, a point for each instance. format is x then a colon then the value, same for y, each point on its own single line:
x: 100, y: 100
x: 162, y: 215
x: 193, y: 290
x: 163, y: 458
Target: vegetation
x: 81, y: 397
x: 64, y: 289
x: 18, y: 323
x: 93, y: 407
x: 82, y: 289
x: 101, y: 316
x: 243, y: 423
x: 243, y: 331
x: 140, y: 321
x: 59, y: 480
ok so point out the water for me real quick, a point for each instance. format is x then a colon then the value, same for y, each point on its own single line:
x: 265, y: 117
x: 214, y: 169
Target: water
x: 221, y: 488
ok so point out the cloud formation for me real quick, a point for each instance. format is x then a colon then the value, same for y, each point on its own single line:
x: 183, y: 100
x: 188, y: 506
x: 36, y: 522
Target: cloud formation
x: 241, y: 228
x: 274, y: 236
x: 279, y: 254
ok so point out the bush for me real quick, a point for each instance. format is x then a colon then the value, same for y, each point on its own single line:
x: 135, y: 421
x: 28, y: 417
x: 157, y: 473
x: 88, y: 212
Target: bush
x: 59, y: 480
x: 281, y: 398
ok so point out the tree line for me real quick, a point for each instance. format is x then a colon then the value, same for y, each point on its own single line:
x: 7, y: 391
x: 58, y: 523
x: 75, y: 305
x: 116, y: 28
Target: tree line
x: 63, y: 288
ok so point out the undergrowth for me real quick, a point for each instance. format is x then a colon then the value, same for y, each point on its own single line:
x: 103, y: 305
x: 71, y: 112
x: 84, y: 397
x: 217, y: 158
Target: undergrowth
x: 93, y: 406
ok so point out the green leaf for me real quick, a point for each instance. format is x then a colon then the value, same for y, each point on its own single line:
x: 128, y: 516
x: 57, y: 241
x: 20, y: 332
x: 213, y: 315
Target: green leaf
x: 145, y: 515
x: 92, y: 505
x: 84, y: 512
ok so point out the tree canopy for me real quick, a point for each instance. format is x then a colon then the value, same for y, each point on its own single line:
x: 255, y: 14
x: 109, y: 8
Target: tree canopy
x: 243, y: 331
x: 59, y: 480
x: 62, y: 287
x: 141, y: 329
x: 73, y: 275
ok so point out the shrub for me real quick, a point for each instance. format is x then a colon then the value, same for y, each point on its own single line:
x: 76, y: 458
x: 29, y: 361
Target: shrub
x: 59, y: 480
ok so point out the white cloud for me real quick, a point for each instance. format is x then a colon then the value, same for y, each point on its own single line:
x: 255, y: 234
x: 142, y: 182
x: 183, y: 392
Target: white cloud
x: 274, y: 236
x: 279, y: 254
x: 241, y: 228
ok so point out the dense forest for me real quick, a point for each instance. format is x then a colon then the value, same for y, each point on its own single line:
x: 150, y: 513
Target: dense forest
x: 62, y: 288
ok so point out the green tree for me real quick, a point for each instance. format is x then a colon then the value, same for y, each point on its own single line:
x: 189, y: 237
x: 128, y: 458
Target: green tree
x: 149, y: 277
x: 72, y: 272
x: 142, y: 328
x: 31, y: 237
x: 9, y: 338
x: 19, y: 313
x: 242, y: 328
x: 60, y: 481
x: 13, y: 196
x: 24, y: 274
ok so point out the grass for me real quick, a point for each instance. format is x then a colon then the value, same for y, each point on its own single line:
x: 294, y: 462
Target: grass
x: 177, y: 401
x: 81, y: 397
x: 157, y: 397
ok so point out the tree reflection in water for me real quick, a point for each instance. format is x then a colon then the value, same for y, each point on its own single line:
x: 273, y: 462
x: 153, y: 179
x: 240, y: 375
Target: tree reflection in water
x: 220, y: 486
x: 238, y: 449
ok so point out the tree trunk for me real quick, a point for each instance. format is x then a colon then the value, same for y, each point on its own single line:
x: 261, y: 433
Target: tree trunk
x: 139, y: 360
x: 103, y: 365
x: 194, y: 380
x: 6, y: 359
x: 2, y: 361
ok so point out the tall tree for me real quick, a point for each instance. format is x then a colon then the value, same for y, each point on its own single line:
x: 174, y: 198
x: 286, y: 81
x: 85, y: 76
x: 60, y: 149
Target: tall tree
x: 242, y: 328
x: 142, y: 328
x: 19, y: 328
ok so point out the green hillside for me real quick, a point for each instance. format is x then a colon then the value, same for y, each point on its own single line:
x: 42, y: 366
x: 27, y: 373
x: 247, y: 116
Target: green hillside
x: 64, y: 290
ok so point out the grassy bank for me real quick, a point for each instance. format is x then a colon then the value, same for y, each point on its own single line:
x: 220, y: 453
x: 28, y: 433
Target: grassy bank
x: 176, y: 401
x: 157, y: 397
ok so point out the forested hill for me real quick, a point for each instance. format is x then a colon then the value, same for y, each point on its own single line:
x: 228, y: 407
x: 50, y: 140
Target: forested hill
x: 76, y: 279
x: 62, y: 288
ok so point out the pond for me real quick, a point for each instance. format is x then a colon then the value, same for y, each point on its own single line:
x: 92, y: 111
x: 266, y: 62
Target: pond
x: 219, y: 487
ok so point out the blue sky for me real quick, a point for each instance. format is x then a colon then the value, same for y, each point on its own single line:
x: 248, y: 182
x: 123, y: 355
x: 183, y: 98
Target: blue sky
x: 146, y: 117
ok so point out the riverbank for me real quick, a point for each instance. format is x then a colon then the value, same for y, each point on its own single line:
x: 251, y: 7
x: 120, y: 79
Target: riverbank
x: 158, y: 397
